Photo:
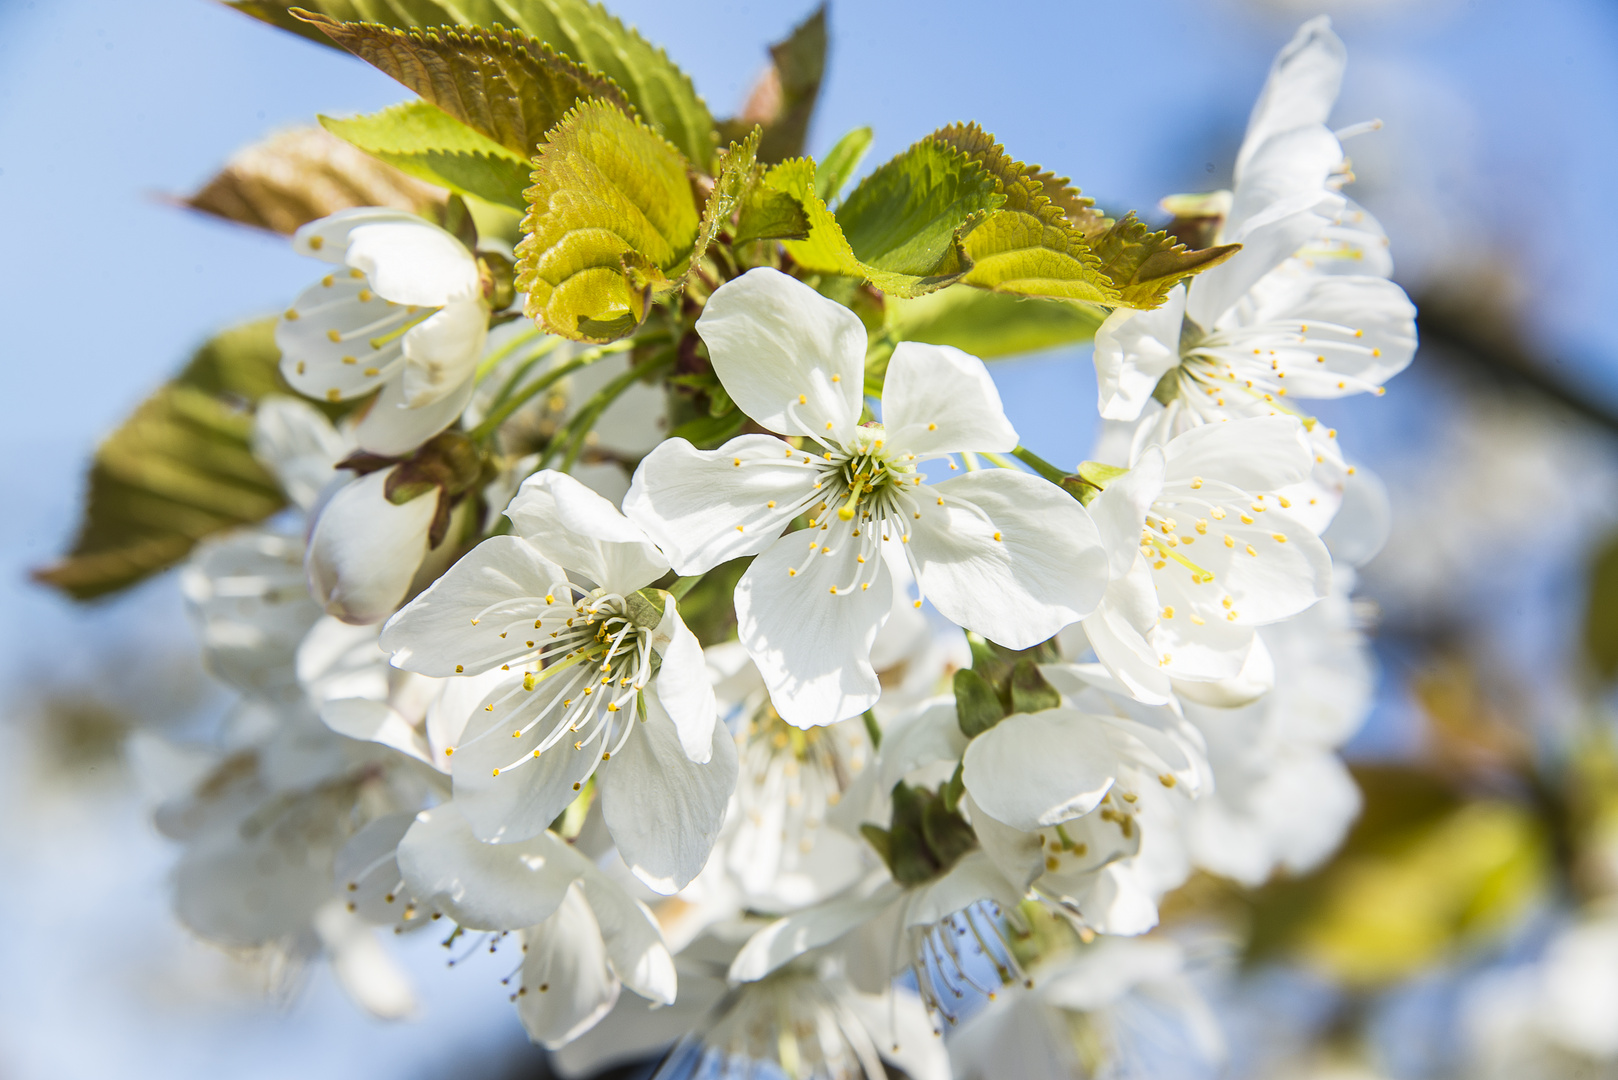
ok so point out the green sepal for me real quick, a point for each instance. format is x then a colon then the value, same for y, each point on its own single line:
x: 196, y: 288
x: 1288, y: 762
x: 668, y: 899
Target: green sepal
x: 977, y: 705
x: 840, y: 162
x: 880, y: 839
x: 926, y: 837
x: 947, y: 834
x: 581, y: 30
x: 1030, y: 693
x: 423, y: 141
x: 955, y: 789
x: 611, y: 222
x: 1091, y: 480
x: 989, y: 661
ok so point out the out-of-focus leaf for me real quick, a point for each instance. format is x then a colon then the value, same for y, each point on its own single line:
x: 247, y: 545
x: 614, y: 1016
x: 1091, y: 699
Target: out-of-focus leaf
x: 580, y: 30
x: 783, y: 101
x: 611, y: 220
x: 990, y: 324
x: 707, y: 609
x: 1601, y: 612
x: 1046, y: 240
x: 1423, y: 876
x: 508, y: 87
x: 840, y: 162
x: 423, y: 141
x: 176, y: 471
x: 296, y: 176
x: 901, y: 228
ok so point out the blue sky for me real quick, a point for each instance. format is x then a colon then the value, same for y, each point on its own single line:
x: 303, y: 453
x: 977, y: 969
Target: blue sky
x: 1502, y: 139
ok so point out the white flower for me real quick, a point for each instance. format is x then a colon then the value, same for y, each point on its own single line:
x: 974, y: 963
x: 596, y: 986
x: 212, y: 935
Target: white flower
x: 1202, y: 550
x: 997, y: 551
x: 1281, y: 797
x: 582, y: 936
x: 404, y: 314
x: 300, y: 446
x: 1082, y: 804
x: 1118, y: 1007
x: 582, y: 644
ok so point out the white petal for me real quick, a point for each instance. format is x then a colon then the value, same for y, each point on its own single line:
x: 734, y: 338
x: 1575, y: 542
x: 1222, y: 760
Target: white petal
x: 449, y: 630
x: 528, y: 792
x: 370, y: 977
x: 335, y: 340
x: 703, y: 508
x: 1027, y: 564
x: 663, y: 811
x: 635, y: 948
x: 584, y: 532
x: 364, y: 550
x: 930, y: 733
x: 413, y: 262
x: 937, y: 399
x: 1301, y: 89
x: 903, y: 1033
x: 1259, y: 454
x: 485, y: 886
x: 392, y: 428
x: 1119, y: 511
x: 1031, y: 771
x: 1115, y: 633
x: 792, y: 359
x: 441, y: 354
x: 374, y: 721
x: 366, y: 871
x: 1256, y: 678
x: 812, y: 648
x: 1018, y: 855
x: 567, y: 984
x: 970, y: 880
x: 449, y: 712
x: 1133, y: 350
x: 1364, y: 521
x: 791, y: 937
x: 296, y: 442
x: 1116, y: 902
x: 683, y: 687
x: 327, y: 238
x: 1360, y: 331
x: 1272, y: 569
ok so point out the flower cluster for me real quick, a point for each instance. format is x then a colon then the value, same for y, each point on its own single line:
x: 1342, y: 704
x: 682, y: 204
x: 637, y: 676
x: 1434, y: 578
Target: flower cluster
x: 849, y: 713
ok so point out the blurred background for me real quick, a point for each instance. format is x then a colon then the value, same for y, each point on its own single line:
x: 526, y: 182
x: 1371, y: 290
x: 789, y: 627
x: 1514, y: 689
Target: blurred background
x: 1495, y: 603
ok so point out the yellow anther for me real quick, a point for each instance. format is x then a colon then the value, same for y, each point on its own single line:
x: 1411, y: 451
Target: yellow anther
x: 333, y: 336
x: 828, y: 425
x: 738, y: 528
x: 1202, y: 526
x: 932, y: 427
x: 1227, y: 601
x: 496, y: 772
x: 612, y: 706
x: 334, y: 394
x: 1197, y: 620
x: 300, y: 367
x: 864, y: 585
x: 834, y: 590
x: 1251, y: 550
x: 1245, y: 519
x: 1280, y: 538
x: 791, y: 572
x: 1230, y: 541
x: 1168, y: 612
x: 370, y: 371
x: 528, y: 680
x: 996, y: 536
x: 1217, y: 513
x: 737, y: 462
x: 1231, y: 617
x: 1196, y: 482
x: 365, y: 296
x: 803, y: 400
x: 916, y: 604
x: 449, y: 751
x: 770, y: 505
x: 836, y: 378
x: 350, y: 360
x: 1286, y: 504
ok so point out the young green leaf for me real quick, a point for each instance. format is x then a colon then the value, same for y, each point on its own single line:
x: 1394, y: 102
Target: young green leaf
x: 901, y: 228
x: 296, y: 176
x: 176, y: 471
x: 989, y: 324
x: 611, y: 220
x: 423, y: 141
x: 506, y: 86
x: 840, y: 162
x: 735, y: 168
x: 1047, y: 240
x: 783, y: 101
x: 580, y: 30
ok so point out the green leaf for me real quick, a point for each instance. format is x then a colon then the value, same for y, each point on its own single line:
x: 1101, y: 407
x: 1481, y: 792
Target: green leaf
x: 1030, y: 693
x: 783, y: 101
x: 423, y: 141
x: 735, y: 168
x: 768, y: 214
x: 297, y: 176
x: 611, y: 220
x: 506, y: 86
x: 977, y: 706
x: 990, y: 325
x: 1047, y: 240
x: 580, y: 30
x: 840, y: 162
x: 901, y: 228
x: 178, y: 470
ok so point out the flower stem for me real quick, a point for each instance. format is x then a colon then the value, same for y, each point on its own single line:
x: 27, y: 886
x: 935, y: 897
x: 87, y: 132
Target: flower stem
x: 501, y: 413
x: 1039, y: 464
x: 584, y: 421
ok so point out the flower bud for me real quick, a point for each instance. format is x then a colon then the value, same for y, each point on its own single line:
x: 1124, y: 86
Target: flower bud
x: 364, y: 549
